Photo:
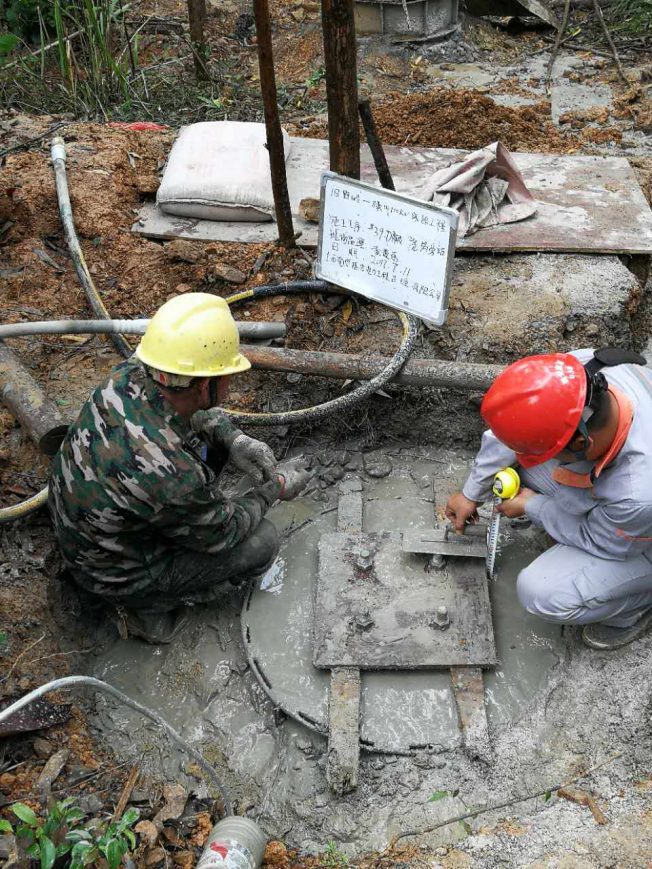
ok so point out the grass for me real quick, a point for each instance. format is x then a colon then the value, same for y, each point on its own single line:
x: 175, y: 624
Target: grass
x: 91, y: 64
x: 632, y: 17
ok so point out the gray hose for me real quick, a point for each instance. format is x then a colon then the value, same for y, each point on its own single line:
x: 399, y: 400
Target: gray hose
x: 249, y: 331
x: 58, y: 153
x: 70, y: 681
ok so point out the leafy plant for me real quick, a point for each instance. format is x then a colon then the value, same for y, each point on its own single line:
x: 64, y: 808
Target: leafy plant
x: 316, y: 76
x: 8, y: 41
x: 108, y: 840
x: 26, y: 18
x: 334, y: 858
x: 440, y: 795
x: 632, y: 15
x: 45, y: 839
x: 61, y: 834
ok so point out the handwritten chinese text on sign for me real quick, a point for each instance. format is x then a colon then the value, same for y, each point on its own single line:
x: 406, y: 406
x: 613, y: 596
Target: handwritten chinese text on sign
x: 386, y: 246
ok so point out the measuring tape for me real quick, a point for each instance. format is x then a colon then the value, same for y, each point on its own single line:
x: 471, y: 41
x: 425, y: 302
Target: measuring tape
x: 507, y: 484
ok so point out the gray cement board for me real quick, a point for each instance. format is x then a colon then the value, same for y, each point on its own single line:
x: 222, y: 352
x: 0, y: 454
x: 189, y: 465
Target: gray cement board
x: 586, y: 204
x: 402, y: 600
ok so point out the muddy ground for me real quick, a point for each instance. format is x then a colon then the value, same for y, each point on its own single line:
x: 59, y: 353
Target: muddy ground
x: 111, y: 172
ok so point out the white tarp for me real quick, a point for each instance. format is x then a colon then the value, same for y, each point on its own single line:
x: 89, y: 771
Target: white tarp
x: 485, y: 187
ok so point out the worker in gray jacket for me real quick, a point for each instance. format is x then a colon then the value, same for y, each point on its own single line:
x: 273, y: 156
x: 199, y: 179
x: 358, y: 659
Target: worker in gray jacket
x: 578, y: 426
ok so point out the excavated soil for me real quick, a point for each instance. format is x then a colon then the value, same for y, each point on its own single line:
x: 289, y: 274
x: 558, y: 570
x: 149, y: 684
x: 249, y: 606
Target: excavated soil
x: 447, y: 118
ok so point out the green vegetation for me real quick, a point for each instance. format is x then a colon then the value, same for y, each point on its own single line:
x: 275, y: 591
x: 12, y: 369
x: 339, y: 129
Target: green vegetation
x: 634, y: 16
x: 333, y: 858
x: 62, y: 834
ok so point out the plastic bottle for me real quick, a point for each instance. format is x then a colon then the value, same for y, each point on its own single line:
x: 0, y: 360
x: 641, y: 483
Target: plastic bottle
x: 234, y: 843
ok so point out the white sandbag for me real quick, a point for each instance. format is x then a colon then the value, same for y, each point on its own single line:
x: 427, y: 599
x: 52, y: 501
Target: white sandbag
x: 219, y: 170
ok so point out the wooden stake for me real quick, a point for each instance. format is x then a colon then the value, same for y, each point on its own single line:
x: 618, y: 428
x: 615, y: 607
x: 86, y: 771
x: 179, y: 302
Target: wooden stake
x: 558, y: 42
x: 196, y: 18
x: 375, y: 145
x: 273, y: 125
x: 340, y: 56
x: 126, y: 793
x: 621, y: 72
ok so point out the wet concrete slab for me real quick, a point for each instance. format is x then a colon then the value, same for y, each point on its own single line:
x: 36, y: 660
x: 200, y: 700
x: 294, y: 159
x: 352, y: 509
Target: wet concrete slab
x: 550, y: 703
x: 427, y: 709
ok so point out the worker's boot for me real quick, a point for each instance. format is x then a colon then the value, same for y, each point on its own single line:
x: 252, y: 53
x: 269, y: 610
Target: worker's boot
x: 607, y: 637
x: 158, y: 628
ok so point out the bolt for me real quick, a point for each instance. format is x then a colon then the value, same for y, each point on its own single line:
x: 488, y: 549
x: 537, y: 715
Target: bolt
x: 365, y: 559
x: 436, y: 562
x: 363, y: 620
x: 442, y: 619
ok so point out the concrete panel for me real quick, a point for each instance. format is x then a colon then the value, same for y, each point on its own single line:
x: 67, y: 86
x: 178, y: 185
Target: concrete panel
x: 368, y: 19
x: 386, y: 615
x: 585, y: 204
x: 508, y: 307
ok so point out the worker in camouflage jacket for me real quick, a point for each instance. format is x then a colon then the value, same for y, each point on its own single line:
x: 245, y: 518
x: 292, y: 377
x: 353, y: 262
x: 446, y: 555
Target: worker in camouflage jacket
x: 134, y: 494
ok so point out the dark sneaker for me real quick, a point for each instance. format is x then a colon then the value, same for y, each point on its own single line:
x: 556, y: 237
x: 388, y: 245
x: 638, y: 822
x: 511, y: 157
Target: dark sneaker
x: 607, y: 637
x: 155, y: 628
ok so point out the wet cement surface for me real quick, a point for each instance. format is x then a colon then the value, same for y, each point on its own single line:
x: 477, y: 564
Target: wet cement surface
x: 204, y: 687
x: 401, y: 710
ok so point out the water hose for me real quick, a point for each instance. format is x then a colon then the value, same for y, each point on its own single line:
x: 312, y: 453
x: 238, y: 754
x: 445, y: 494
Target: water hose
x: 58, y: 154
x: 342, y: 402
x: 247, y: 331
x: 70, y: 681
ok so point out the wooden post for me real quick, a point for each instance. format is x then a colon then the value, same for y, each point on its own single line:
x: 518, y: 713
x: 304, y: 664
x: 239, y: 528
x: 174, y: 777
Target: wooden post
x: 273, y: 125
x: 196, y: 19
x: 341, y: 86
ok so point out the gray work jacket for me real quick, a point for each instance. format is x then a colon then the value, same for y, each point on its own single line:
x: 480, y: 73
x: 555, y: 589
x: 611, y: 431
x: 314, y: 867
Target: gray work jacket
x: 613, y: 519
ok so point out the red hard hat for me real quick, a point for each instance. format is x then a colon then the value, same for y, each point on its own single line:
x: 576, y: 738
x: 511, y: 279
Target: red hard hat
x: 535, y: 405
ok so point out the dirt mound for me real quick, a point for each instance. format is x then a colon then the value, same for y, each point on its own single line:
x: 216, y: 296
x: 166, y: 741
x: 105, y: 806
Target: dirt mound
x: 445, y: 118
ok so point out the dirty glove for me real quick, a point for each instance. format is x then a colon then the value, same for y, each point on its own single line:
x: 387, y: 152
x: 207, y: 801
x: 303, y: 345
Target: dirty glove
x: 295, y: 476
x: 253, y: 457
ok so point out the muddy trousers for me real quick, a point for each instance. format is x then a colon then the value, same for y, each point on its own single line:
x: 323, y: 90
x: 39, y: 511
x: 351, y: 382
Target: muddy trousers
x: 198, y: 577
x: 570, y: 586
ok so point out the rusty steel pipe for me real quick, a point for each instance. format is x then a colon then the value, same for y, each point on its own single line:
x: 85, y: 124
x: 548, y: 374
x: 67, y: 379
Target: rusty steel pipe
x: 468, y: 376
x: 21, y: 394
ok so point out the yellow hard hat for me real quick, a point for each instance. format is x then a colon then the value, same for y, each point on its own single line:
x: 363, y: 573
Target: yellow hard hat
x: 193, y: 335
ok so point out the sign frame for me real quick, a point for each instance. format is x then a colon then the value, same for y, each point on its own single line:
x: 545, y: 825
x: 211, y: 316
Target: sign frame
x: 321, y: 270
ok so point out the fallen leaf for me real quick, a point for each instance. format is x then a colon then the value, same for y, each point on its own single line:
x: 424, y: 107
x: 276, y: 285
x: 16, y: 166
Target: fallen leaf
x: 175, y: 798
x: 148, y: 831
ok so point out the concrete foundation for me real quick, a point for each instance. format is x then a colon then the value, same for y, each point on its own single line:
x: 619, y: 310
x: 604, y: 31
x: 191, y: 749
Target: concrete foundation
x: 415, y: 20
x: 505, y: 307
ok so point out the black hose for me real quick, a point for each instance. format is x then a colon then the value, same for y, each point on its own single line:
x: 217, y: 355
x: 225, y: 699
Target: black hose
x: 342, y: 402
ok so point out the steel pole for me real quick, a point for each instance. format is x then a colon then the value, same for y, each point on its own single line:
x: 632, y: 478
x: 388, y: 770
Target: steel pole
x: 344, y: 366
x: 22, y: 395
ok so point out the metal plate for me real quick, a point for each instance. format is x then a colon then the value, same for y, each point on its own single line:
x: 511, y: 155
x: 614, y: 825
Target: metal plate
x: 382, y: 618
x: 438, y: 542
x: 577, y: 199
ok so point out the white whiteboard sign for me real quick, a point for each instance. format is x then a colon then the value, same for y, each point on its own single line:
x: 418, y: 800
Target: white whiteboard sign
x: 386, y: 246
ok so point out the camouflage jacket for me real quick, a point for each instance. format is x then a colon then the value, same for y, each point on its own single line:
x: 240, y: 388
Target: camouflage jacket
x: 129, y: 488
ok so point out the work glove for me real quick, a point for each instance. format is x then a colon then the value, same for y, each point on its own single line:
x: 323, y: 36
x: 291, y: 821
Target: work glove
x: 296, y: 475
x: 254, y: 458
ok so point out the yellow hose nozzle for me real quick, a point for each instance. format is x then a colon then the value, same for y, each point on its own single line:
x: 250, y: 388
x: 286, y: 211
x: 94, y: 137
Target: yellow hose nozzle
x: 506, y: 484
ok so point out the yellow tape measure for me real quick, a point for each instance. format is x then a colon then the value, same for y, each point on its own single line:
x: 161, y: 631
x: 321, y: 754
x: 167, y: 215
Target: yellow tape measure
x: 506, y: 484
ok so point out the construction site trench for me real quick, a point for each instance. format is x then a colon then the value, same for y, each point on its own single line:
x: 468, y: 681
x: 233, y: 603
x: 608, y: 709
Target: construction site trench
x: 239, y: 684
